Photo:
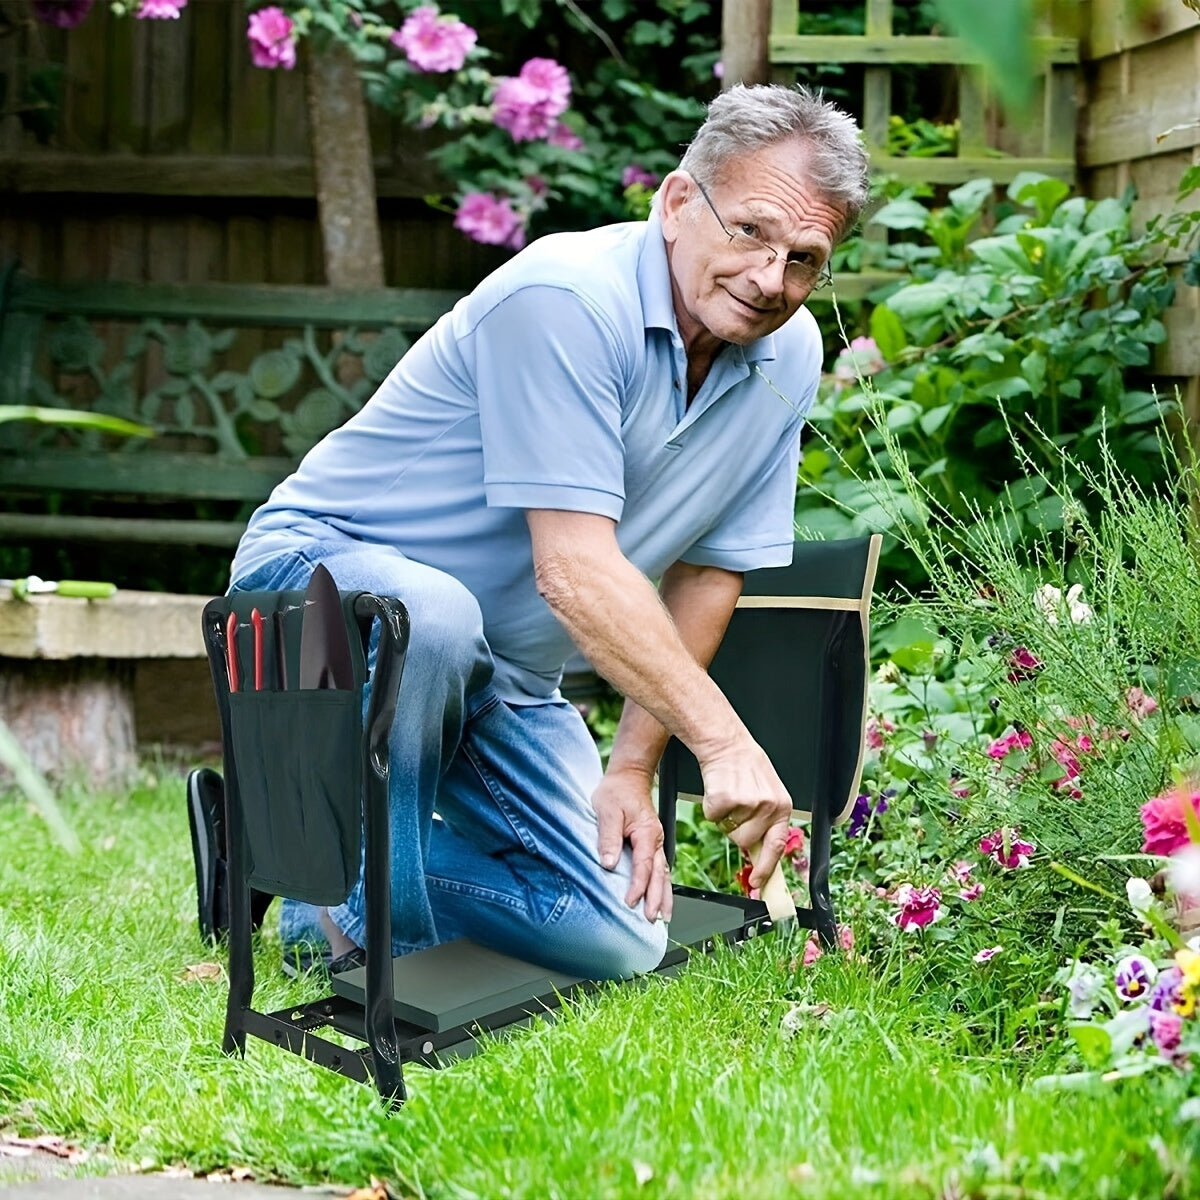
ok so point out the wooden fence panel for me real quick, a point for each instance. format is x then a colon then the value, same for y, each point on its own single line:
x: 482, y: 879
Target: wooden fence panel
x: 1139, y: 129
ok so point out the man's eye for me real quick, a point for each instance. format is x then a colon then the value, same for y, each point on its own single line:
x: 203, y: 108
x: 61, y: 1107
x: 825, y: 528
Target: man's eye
x: 803, y: 257
x: 748, y: 230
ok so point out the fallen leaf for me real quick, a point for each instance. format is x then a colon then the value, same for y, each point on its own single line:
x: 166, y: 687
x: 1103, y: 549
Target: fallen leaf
x: 643, y: 1173
x: 201, y: 971
x: 47, y: 1143
x: 378, y: 1190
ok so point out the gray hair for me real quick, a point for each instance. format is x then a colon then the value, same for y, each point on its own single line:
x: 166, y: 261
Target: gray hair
x: 747, y: 119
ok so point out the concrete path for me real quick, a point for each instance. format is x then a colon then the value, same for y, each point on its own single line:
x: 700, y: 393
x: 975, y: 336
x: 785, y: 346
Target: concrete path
x: 155, y: 1187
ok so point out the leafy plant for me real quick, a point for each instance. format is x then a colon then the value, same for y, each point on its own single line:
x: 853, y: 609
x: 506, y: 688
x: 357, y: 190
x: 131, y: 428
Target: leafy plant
x: 1039, y: 328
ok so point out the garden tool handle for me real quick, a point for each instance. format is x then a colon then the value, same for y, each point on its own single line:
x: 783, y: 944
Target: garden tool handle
x: 774, y: 892
x: 90, y: 589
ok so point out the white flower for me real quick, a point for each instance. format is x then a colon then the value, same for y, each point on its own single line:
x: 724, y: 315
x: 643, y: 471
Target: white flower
x: 1183, y: 870
x: 1049, y: 600
x: 1141, y: 898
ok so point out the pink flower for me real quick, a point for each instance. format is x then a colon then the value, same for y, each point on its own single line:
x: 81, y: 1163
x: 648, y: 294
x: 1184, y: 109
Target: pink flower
x: 529, y: 104
x: 861, y: 357
x: 272, y: 38
x: 1166, y: 1028
x: 634, y: 173
x: 960, y: 872
x: 972, y: 892
x: 1023, y: 664
x: 160, y: 10
x: 564, y: 137
x: 1163, y: 822
x: 718, y: 69
x: 813, y: 950
x: 1012, y: 856
x: 988, y: 954
x: 794, y: 846
x: 1015, y: 739
x: 434, y: 43
x: 876, y: 728
x: 1141, y: 704
x: 64, y: 14
x: 490, y: 219
x: 918, y: 906
x: 743, y: 879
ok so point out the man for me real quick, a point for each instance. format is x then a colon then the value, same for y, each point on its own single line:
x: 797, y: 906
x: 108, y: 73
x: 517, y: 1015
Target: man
x: 606, y: 408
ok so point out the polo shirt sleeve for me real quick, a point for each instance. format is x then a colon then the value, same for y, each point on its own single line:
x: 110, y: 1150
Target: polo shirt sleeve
x: 548, y: 369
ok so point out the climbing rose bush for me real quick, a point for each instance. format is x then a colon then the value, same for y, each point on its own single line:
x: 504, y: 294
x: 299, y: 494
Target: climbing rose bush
x: 271, y: 34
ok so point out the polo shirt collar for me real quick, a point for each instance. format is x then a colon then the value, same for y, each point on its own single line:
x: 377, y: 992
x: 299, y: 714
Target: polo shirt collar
x: 658, y: 308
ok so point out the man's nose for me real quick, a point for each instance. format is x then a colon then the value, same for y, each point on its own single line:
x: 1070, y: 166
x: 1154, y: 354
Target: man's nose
x: 768, y: 276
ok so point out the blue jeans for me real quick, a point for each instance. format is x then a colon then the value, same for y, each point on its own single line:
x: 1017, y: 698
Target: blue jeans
x: 510, y: 860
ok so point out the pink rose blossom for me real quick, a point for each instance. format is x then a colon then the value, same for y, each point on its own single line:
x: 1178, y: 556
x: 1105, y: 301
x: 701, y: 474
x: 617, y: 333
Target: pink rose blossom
x: 1017, y: 853
x: 861, y: 357
x: 634, y: 173
x: 160, y: 10
x: 1140, y: 703
x: 564, y: 137
x: 988, y: 954
x: 528, y: 105
x: 272, y: 38
x: 434, y: 43
x: 490, y: 219
x: 1163, y: 822
x: 918, y: 906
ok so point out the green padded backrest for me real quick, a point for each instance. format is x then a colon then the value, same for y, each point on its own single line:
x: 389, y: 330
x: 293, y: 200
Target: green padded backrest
x: 794, y: 665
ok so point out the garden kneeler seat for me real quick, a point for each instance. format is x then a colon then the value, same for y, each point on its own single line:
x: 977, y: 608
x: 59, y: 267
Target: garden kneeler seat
x: 795, y: 663
x: 800, y: 688
x: 306, y: 796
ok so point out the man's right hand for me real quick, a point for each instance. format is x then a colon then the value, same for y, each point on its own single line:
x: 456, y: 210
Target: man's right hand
x: 746, y: 799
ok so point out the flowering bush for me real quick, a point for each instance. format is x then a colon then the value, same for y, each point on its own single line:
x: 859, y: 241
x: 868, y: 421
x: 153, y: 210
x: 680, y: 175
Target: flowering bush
x: 572, y: 125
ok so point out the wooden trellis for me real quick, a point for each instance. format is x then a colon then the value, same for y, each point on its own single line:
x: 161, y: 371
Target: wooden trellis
x: 1045, y: 144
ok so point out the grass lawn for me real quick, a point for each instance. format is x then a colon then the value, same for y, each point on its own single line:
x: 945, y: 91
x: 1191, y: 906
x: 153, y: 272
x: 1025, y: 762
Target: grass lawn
x: 716, y: 1084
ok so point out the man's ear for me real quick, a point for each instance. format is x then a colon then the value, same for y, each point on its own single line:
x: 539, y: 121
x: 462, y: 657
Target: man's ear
x: 673, y: 195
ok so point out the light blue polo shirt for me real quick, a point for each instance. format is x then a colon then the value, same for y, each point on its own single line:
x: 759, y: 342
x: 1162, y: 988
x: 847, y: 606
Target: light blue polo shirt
x: 560, y: 383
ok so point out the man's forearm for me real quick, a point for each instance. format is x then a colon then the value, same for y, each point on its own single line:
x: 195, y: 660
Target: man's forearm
x: 700, y: 602
x: 627, y: 634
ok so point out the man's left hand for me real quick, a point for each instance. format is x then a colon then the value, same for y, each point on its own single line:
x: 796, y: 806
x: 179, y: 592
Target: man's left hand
x: 625, y: 812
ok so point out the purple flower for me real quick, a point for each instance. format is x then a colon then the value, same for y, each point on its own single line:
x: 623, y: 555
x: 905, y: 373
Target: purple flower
x: 1134, y: 976
x: 272, y: 38
x: 860, y: 814
x: 528, y: 105
x: 918, y: 906
x: 634, y: 173
x: 160, y: 10
x: 434, y: 43
x: 1167, y: 991
x: 1006, y: 849
x: 490, y: 219
x: 65, y: 14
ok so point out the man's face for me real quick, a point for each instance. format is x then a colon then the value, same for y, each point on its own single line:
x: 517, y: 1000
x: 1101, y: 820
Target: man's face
x: 726, y: 290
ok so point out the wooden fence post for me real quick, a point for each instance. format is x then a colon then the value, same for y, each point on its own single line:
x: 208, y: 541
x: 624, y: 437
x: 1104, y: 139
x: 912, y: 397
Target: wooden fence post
x: 744, y: 28
x: 345, y: 175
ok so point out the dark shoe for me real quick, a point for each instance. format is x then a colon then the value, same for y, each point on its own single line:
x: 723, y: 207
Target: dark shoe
x: 305, y: 960
x: 206, y: 818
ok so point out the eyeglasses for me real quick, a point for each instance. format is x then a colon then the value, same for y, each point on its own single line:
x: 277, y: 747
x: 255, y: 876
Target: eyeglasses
x: 796, y: 273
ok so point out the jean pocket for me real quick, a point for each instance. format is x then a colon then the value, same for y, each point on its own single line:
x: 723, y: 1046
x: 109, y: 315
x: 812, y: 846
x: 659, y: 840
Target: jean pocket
x: 299, y: 762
